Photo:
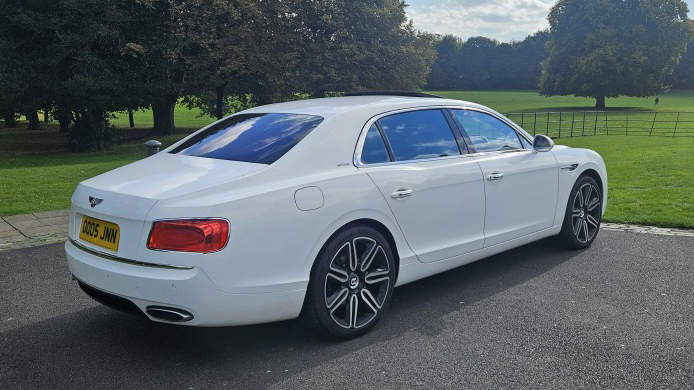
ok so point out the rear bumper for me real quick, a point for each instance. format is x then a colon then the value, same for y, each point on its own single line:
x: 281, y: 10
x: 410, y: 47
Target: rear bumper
x: 188, y: 289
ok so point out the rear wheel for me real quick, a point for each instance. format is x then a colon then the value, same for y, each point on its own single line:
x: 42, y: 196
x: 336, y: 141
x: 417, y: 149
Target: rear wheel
x: 351, y: 283
x: 583, y: 214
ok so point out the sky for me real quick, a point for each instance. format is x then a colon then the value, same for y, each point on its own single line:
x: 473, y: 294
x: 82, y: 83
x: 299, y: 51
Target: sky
x: 504, y: 20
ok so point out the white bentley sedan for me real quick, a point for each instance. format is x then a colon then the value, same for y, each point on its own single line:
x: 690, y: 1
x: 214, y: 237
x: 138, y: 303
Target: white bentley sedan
x: 318, y: 208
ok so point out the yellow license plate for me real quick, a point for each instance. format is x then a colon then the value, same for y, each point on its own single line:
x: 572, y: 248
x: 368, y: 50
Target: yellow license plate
x: 100, y: 233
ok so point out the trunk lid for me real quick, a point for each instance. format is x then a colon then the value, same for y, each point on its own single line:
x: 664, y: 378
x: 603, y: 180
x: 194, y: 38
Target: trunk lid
x: 125, y: 196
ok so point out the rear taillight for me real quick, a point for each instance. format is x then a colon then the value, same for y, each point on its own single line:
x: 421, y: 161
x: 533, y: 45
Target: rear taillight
x: 189, y: 235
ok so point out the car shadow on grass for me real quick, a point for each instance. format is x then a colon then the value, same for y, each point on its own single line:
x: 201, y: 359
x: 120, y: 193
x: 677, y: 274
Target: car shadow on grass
x: 100, y: 348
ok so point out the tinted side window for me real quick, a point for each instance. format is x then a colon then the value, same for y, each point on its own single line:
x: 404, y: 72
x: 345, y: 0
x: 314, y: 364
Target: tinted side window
x: 419, y: 134
x: 256, y: 138
x: 487, y: 133
x: 374, y: 150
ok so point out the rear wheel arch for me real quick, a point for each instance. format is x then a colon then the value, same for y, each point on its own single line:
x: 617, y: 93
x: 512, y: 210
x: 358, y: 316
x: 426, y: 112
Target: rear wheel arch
x: 376, y: 225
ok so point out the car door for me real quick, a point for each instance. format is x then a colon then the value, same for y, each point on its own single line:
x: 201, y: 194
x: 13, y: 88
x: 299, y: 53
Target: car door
x: 432, y: 185
x: 521, y: 185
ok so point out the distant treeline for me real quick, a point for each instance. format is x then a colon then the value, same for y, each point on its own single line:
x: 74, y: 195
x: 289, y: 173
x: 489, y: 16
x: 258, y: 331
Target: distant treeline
x: 481, y: 63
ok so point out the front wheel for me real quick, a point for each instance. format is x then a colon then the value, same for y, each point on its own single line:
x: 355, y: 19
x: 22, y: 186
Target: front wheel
x: 351, y: 283
x: 583, y: 214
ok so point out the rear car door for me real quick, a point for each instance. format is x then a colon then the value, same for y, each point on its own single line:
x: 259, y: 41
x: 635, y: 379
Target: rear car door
x: 432, y: 185
x: 521, y: 186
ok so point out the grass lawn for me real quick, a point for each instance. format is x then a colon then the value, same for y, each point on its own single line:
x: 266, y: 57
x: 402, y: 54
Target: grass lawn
x: 32, y: 181
x: 184, y: 118
x: 650, y: 179
x: 530, y: 101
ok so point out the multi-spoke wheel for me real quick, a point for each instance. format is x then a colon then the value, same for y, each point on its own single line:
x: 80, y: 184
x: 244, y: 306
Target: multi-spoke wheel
x: 351, y: 283
x: 583, y: 214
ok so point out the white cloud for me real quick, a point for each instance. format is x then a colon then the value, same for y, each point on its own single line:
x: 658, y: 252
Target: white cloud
x: 504, y: 20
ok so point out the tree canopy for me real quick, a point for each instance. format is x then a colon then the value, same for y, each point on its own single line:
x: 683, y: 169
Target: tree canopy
x: 85, y: 58
x: 483, y: 63
x: 608, y: 48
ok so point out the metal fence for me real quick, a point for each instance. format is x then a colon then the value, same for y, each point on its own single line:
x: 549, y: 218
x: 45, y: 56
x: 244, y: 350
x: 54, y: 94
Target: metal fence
x: 589, y: 123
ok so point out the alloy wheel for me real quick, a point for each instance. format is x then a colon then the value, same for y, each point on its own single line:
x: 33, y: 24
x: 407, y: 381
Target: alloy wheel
x: 357, y: 283
x: 586, y: 212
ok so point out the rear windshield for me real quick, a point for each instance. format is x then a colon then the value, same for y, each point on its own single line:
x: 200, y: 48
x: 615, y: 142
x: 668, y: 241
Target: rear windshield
x: 256, y: 138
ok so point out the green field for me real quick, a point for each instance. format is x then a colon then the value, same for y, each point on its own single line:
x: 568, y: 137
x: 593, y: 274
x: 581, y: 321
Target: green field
x: 527, y: 101
x: 184, y: 118
x: 650, y: 178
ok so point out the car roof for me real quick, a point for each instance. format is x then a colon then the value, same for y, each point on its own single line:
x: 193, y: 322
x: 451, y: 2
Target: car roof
x: 367, y: 105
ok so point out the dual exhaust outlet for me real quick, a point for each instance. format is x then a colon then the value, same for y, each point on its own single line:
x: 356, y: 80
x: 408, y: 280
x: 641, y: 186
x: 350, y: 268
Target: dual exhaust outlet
x: 168, y: 314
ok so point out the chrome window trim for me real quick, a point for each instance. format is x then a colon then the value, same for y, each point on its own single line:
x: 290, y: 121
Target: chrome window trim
x: 362, y: 135
x: 126, y: 261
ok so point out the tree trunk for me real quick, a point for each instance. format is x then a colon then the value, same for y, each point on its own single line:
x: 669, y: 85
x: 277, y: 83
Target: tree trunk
x: 64, y: 118
x: 220, y: 101
x: 131, y: 119
x: 163, y: 111
x: 10, y: 120
x: 600, y: 102
x: 46, y: 116
x: 34, y: 123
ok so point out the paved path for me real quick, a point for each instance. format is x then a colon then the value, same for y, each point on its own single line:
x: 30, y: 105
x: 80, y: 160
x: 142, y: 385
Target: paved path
x: 616, y: 316
x: 27, y: 230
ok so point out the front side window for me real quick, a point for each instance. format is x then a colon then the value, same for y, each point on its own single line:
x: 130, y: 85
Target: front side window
x: 487, y: 133
x: 256, y: 138
x: 418, y: 135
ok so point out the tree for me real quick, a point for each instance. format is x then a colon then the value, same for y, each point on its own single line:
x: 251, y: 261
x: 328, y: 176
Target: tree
x: 608, y: 48
x: 483, y: 63
x: 251, y: 57
x: 274, y: 50
x: 530, y: 53
x: 71, y: 55
x: 446, y: 71
x: 683, y: 76
x: 196, y: 46
x: 360, y: 44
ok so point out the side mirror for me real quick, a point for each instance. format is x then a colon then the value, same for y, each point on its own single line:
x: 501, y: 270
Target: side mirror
x: 542, y: 143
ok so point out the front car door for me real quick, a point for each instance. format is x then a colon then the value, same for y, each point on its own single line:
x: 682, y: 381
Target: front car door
x: 521, y: 185
x: 432, y: 185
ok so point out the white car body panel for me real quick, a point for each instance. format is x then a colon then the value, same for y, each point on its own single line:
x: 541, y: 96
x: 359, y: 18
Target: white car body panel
x: 444, y: 216
x: 282, y: 214
x: 524, y: 200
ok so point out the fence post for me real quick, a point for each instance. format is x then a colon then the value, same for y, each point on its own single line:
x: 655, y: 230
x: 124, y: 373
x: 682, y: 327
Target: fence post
x: 535, y: 124
x: 607, y: 124
x: 677, y: 121
x: 573, y: 117
x: 653, y: 124
x: 595, y: 129
x: 583, y: 129
x: 559, y: 124
x: 522, y: 118
x: 627, y: 123
x: 547, y: 133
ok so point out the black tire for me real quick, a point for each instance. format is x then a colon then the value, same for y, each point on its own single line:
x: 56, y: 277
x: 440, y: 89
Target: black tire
x: 338, y: 284
x: 582, y: 218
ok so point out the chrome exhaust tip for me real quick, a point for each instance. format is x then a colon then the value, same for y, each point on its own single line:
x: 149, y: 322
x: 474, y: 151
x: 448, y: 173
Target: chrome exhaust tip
x: 168, y: 314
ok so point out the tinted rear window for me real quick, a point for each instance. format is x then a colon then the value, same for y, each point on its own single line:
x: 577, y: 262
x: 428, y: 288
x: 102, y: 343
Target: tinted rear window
x: 256, y: 138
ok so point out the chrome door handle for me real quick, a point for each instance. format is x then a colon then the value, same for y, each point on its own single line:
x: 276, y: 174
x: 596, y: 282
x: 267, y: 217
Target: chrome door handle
x: 401, y: 193
x: 496, y: 176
